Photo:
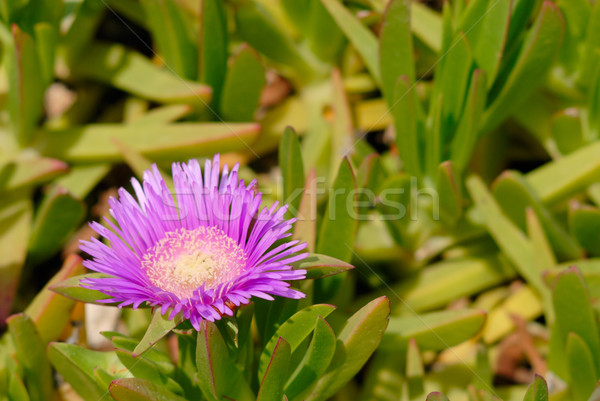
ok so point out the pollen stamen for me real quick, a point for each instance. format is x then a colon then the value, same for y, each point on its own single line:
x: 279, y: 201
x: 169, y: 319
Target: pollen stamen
x: 185, y: 259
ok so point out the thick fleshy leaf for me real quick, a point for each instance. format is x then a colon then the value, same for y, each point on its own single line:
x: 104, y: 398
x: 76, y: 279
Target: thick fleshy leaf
x: 295, y: 330
x: 59, y: 215
x: 256, y: 26
x: 426, y: 24
x: 507, y: 235
x: 244, y: 83
x: 467, y: 132
x: 433, y: 331
x: 80, y: 180
x: 51, y: 312
x: 31, y: 354
x: 453, y: 82
x: 581, y: 368
x: 78, y: 364
x: 29, y: 171
x: 305, y: 228
x: 173, y: 34
x: 144, y: 368
x: 573, y: 313
x: 405, y: 124
x: 167, y: 143
x: 16, y: 388
x: 316, y: 360
x: 131, y: 72
x: 338, y: 229
x: 436, y: 396
x: 160, y: 326
x: 161, y: 360
x: 450, y: 192
x: 321, y: 25
x: 213, y: 46
x: 218, y: 376
x: 515, y: 195
x: 492, y: 38
x: 563, y: 178
x: 358, y: 339
x: 292, y: 169
x: 318, y: 266
x: 363, y: 40
x: 414, y: 371
x: 567, y: 131
x: 584, y: 222
x: 135, y: 389
x: 162, y: 115
x: 271, y: 385
x: 438, y: 284
x: 595, y: 395
x: 71, y: 288
x: 15, y: 222
x: 395, y: 47
x: 138, y: 163
x: 26, y: 94
x: 342, y: 138
x: 537, y: 391
x: 534, y: 60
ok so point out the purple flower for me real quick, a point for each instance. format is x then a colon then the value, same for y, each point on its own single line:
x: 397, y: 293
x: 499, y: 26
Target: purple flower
x: 202, y: 253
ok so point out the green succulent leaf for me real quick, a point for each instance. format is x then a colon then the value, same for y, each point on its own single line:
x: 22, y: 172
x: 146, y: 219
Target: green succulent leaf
x: 167, y: 142
x: 143, y: 368
x: 218, y: 376
x: 243, y: 86
x: 467, y: 131
x: 358, y: 339
x: 31, y: 354
x: 129, y: 71
x: 433, y: 331
x: 294, y: 330
x: 537, y: 391
x: 515, y: 195
x: 213, y: 46
x: 406, y: 117
x: 584, y: 221
x: 135, y: 389
x: 71, y: 288
x: 316, y: 360
x: 50, y: 311
x: 271, y: 385
x: 536, y: 55
x: 436, y: 396
x: 78, y: 365
x: 29, y: 171
x: 450, y: 193
x: 565, y: 177
x: 57, y: 217
x: 160, y: 326
x: 573, y: 314
x: 173, y: 32
x: 396, y: 48
x: 318, y: 266
x: 15, y: 223
x: 292, y: 169
x: 581, y: 367
x: 256, y: 26
x: 363, y: 40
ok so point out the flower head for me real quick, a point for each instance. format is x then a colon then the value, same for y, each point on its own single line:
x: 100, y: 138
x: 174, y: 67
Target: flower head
x: 201, y: 253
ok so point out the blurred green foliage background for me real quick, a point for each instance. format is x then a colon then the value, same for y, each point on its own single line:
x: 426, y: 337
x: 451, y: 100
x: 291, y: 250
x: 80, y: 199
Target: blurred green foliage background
x: 462, y: 134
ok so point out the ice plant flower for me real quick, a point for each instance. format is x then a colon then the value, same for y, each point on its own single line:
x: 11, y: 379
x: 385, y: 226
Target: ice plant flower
x: 201, y: 253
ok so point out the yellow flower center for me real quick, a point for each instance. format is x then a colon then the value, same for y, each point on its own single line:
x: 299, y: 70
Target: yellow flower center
x: 185, y: 259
